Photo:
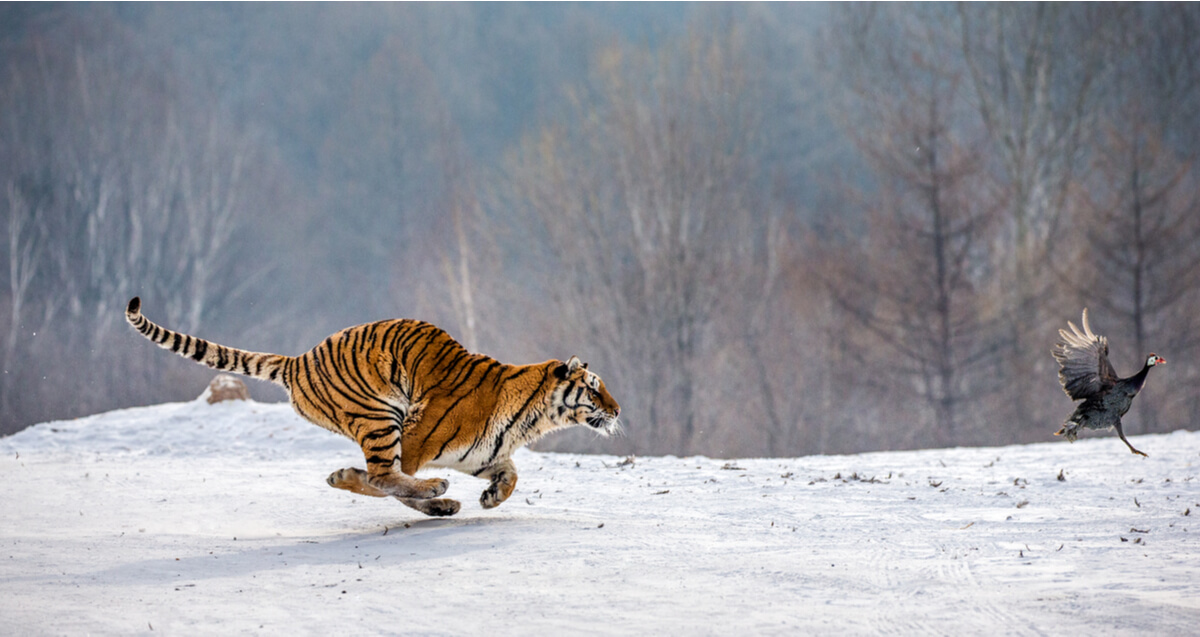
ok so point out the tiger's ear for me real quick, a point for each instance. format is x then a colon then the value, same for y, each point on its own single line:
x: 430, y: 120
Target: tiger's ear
x: 565, y: 369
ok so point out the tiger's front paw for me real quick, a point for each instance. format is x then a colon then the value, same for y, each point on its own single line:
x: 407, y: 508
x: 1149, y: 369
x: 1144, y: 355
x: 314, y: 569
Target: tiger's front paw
x: 494, y: 495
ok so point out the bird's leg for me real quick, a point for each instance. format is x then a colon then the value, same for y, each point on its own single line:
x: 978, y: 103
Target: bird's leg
x: 1121, y: 433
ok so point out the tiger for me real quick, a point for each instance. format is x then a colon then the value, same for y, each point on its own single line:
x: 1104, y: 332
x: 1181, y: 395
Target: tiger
x: 412, y: 397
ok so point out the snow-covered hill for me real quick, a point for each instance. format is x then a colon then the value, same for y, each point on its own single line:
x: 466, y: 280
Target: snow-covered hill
x: 215, y: 519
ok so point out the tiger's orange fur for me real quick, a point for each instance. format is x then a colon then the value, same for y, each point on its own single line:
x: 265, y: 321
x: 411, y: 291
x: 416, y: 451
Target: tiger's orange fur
x: 412, y: 397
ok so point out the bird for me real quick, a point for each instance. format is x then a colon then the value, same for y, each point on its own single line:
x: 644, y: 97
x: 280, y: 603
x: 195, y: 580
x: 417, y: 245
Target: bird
x: 1086, y: 375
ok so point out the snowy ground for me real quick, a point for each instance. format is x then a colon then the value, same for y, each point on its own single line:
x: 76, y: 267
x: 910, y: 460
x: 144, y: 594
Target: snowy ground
x: 196, y: 519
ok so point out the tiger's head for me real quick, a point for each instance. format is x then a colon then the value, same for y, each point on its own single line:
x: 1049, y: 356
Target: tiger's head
x: 581, y: 399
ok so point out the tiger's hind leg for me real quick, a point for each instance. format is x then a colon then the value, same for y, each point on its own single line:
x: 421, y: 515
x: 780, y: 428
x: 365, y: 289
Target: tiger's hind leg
x: 436, y: 507
x: 381, y: 447
x: 356, y: 480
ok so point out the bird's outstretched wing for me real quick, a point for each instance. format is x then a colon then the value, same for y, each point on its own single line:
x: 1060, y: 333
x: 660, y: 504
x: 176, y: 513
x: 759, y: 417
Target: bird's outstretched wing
x: 1082, y: 356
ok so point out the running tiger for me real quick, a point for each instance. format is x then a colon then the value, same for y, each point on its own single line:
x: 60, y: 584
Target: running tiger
x: 409, y: 394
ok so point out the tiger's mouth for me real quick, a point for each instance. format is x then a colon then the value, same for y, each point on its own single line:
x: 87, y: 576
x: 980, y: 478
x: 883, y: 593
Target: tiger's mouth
x: 605, y: 424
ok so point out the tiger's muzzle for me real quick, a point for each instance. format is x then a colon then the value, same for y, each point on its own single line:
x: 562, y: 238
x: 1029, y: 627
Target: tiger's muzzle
x: 606, y: 424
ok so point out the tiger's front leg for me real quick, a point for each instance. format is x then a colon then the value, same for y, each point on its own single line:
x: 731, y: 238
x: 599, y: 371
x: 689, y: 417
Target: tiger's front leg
x: 503, y: 477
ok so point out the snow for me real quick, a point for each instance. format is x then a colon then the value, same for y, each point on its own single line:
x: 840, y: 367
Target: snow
x: 192, y: 518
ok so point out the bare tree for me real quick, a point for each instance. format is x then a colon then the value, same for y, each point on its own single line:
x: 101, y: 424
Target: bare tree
x: 1141, y: 222
x: 382, y: 183
x: 25, y: 244
x: 467, y: 248
x: 1034, y: 71
x: 644, y: 202
x: 134, y: 192
x: 1141, y: 225
x: 1129, y: 248
x: 917, y: 280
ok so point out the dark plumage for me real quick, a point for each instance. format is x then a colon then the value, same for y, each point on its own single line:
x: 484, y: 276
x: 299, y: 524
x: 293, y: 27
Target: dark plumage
x: 1086, y: 375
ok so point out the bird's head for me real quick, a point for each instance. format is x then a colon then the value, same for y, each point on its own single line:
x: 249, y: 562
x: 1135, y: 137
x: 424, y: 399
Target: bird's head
x: 1155, y: 359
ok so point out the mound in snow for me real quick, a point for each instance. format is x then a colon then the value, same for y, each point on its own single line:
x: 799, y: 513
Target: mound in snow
x: 191, y: 518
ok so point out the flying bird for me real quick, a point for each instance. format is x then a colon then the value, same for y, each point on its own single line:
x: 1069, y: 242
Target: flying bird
x: 1086, y: 375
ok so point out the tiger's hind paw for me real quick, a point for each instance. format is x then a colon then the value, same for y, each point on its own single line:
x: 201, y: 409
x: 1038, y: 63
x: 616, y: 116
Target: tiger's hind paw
x: 438, y: 508
x: 402, y: 486
x: 354, y: 480
x: 441, y: 507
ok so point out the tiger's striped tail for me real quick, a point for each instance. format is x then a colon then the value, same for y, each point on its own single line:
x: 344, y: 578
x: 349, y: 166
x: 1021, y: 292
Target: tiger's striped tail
x: 270, y: 367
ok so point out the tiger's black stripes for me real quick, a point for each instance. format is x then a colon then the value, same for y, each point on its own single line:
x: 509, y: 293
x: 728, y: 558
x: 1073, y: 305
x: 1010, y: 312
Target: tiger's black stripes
x: 499, y: 436
x: 460, y: 379
x: 438, y: 423
x: 361, y: 340
x: 332, y: 379
x: 449, y: 439
x: 411, y: 396
x: 381, y: 461
x: 380, y: 439
x: 352, y: 374
x: 316, y: 396
x: 375, y: 435
x: 501, y: 439
x: 465, y: 373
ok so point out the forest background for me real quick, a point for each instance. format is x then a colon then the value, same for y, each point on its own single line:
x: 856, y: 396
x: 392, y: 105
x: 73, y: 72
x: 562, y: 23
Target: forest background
x: 775, y: 230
